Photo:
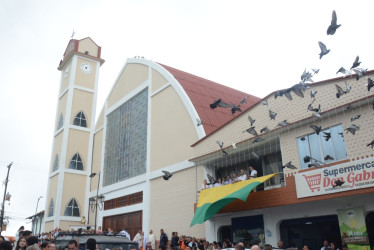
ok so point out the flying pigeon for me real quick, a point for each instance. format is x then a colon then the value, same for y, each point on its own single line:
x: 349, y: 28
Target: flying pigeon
x: 234, y: 145
x: 355, y: 117
x: 298, y: 89
x: 306, y: 77
x: 302, y: 138
x: 333, y: 26
x: 258, y: 139
x: 288, y: 94
x: 371, y: 144
x: 338, y: 183
x: 340, y: 91
x: 220, y: 143
x: 264, y: 130
x: 272, y: 114
x: 324, y: 50
x: 313, y: 93
x: 282, y: 123
x: 328, y: 158
x: 306, y: 159
x: 166, y: 175
x: 252, y: 131
x: 370, y: 84
x: 347, y: 87
x: 289, y: 165
x: 265, y: 102
x: 243, y: 100
x: 318, y: 110
x: 310, y: 105
x: 224, y: 153
x: 235, y: 108
x: 199, y: 122
x: 317, y: 115
x: 353, y: 128
x: 349, y: 106
x: 211, y: 179
x: 219, y: 103
x: 356, y: 63
x: 251, y: 120
x: 315, y: 71
x: 327, y: 136
x: 344, y: 71
x: 256, y: 156
x: 316, y: 128
x: 314, y: 164
x: 359, y: 72
x: 278, y: 93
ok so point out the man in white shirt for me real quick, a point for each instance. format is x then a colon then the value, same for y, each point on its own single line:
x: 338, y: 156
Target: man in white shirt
x: 242, y: 176
x: 125, y: 233
x: 151, y: 240
x: 253, y: 172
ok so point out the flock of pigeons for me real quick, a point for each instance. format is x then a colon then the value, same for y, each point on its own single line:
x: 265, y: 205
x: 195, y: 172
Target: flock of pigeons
x: 299, y: 89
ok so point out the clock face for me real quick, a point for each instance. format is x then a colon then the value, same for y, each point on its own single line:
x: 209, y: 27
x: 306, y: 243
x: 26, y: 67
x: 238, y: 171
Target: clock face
x: 66, y: 72
x: 86, y: 68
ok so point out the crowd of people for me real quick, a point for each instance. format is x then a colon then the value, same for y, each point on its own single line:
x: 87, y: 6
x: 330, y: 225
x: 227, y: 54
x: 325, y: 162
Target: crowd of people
x: 252, y: 173
x: 24, y: 240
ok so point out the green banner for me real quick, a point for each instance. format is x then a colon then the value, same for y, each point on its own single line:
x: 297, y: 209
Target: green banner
x: 353, y: 228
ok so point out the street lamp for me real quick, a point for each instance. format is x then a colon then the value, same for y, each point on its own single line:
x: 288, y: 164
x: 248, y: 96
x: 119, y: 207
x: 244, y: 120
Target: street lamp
x: 98, y: 201
x: 36, y: 210
x: 2, y: 206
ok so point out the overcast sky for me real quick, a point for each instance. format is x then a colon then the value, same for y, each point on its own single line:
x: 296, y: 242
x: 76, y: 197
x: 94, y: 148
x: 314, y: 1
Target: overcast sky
x: 254, y: 46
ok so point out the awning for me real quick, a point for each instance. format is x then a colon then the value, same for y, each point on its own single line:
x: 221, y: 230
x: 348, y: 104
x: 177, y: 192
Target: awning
x: 211, y: 201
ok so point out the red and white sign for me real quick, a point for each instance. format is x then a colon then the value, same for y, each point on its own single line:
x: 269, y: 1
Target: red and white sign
x: 354, y: 174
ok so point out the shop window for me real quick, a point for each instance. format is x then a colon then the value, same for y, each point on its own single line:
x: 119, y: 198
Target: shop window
x: 80, y: 120
x: 76, y: 162
x: 72, y: 209
x: 319, y: 148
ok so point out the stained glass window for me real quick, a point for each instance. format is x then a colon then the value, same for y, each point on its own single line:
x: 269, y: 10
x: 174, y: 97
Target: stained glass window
x: 72, y: 209
x: 80, y: 120
x: 51, y: 207
x: 76, y: 162
x: 126, y: 140
x: 60, y: 122
x: 55, y: 164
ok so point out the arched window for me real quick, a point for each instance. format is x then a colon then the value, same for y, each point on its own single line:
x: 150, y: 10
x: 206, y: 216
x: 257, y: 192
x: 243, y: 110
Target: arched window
x: 50, y: 211
x: 60, y: 122
x: 80, y: 120
x: 55, y: 164
x: 72, y: 209
x: 76, y: 162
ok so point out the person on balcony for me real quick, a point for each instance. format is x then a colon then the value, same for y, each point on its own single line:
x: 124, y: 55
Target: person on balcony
x: 219, y: 183
x: 204, y: 185
x: 253, y: 172
x: 243, y: 176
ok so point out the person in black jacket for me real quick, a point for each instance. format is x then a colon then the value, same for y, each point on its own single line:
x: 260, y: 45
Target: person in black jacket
x: 163, y: 239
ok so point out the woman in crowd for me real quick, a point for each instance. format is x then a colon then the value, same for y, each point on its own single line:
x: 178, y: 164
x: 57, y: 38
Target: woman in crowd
x: 334, y: 246
x: 21, y: 244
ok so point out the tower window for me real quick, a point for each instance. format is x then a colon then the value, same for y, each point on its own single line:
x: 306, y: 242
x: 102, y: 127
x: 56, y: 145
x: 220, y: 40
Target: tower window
x: 80, y: 120
x: 76, y: 162
x: 60, y: 122
x: 51, y: 207
x: 72, y: 209
x: 55, y: 164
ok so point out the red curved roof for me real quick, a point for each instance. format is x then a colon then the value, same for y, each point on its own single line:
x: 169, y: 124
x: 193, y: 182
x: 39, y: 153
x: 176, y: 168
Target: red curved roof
x: 203, y: 92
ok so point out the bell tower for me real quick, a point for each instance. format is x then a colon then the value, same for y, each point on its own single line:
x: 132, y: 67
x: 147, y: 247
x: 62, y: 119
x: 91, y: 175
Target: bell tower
x: 71, y: 156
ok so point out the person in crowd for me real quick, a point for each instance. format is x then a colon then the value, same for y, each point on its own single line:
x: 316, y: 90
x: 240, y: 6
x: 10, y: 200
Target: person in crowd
x: 151, y: 240
x: 239, y: 246
x: 268, y: 247
x: 21, y: 244
x: 139, y: 238
x: 204, y: 185
x: 305, y: 247
x: 163, y: 239
x: 174, y: 239
x: 20, y: 230
x: 280, y: 244
x: 73, y: 245
x: 125, y: 233
x: 182, y: 244
x: 228, y: 180
x: 44, y: 245
x: 234, y: 177
x: 26, y: 234
x: 32, y: 240
x: 193, y: 243
x: 51, y: 246
x: 334, y: 246
x: 219, y: 183
x: 200, y: 245
x: 255, y: 247
x: 110, y: 231
x: 243, y: 176
x: 5, y: 245
x: 91, y: 244
x: 33, y: 247
x: 99, y: 230
x: 326, y: 245
x: 253, y: 172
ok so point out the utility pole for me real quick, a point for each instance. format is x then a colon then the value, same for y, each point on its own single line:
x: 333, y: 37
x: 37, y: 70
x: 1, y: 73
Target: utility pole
x: 2, y: 206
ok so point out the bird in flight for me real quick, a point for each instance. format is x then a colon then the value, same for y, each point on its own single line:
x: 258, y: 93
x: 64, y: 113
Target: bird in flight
x: 333, y: 26
x: 199, y: 122
x: 289, y: 165
x: 251, y: 120
x: 219, y: 103
x: 353, y: 128
x: 316, y: 128
x: 338, y: 183
x: 356, y: 63
x: 324, y: 50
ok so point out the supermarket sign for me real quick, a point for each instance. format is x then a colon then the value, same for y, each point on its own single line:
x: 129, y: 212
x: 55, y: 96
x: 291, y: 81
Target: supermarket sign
x: 355, y: 175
